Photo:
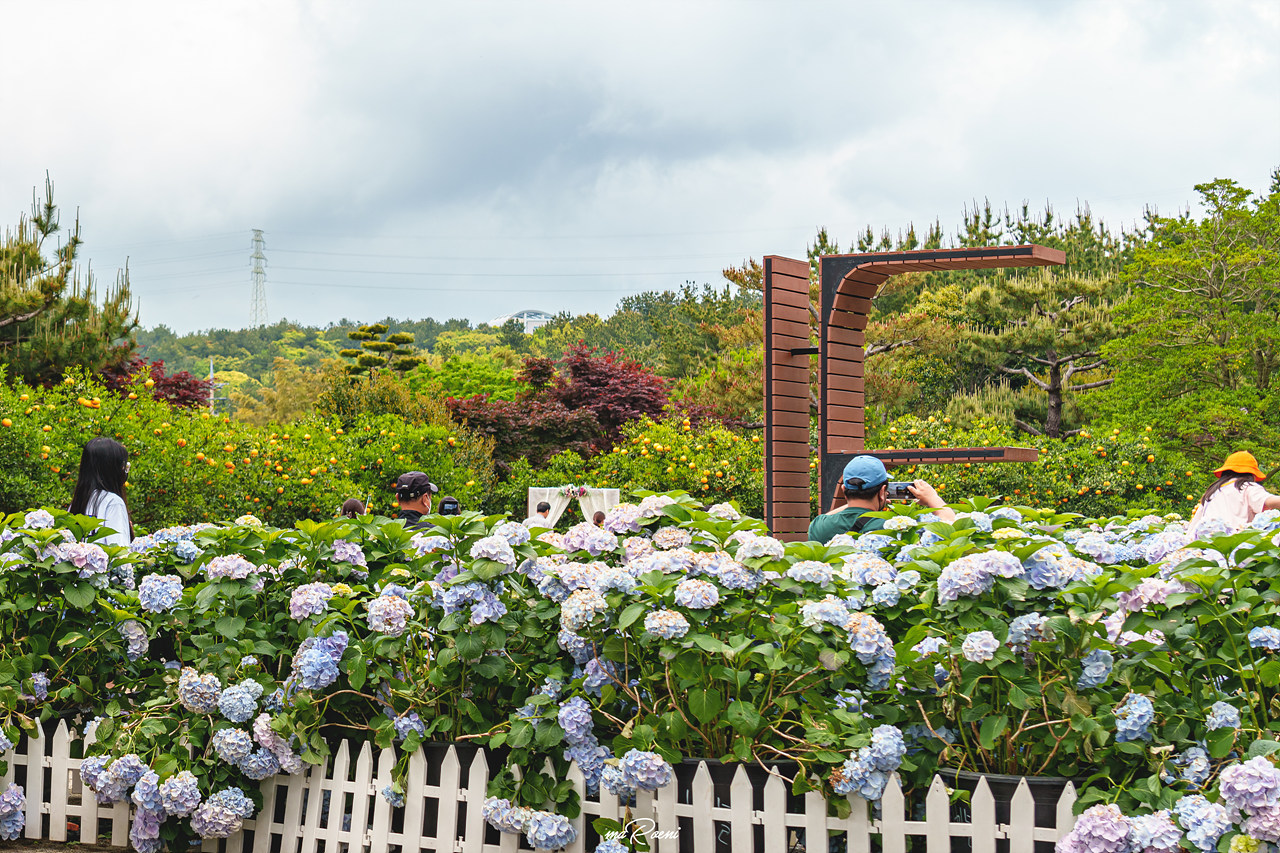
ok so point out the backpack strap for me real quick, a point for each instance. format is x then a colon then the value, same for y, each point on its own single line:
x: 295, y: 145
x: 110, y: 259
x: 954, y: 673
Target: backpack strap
x: 862, y: 522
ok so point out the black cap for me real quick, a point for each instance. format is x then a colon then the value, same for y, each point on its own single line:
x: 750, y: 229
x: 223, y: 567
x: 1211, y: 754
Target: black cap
x: 413, y: 484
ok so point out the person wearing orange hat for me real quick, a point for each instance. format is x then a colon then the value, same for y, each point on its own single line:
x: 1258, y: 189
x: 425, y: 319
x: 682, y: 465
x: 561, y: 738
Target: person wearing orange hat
x: 1236, y: 497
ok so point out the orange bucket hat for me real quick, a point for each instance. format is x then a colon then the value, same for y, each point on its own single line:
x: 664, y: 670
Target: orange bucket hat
x: 1242, y: 462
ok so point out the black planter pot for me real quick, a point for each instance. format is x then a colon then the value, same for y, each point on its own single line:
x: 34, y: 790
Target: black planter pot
x: 722, y: 775
x: 1045, y: 793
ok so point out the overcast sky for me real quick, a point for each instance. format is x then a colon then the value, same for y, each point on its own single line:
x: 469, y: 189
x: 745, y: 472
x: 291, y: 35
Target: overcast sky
x: 474, y: 158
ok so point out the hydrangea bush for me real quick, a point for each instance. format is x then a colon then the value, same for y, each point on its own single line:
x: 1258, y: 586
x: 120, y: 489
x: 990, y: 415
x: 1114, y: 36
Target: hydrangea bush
x: 1014, y: 640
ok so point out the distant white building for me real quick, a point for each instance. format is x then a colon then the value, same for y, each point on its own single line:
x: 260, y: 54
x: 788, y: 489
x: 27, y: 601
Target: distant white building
x: 531, y: 317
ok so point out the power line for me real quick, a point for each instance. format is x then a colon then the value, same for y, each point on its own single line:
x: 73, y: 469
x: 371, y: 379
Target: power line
x: 474, y: 258
x: 499, y: 274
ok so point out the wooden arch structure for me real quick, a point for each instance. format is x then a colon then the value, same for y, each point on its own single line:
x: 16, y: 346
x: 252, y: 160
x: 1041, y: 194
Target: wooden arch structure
x: 849, y: 283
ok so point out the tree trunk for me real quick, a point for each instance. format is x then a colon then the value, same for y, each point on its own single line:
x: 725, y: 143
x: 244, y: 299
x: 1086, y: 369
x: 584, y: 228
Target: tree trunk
x: 1053, y: 416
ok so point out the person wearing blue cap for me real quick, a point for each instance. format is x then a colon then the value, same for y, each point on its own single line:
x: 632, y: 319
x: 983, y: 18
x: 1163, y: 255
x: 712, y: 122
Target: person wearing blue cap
x: 866, y: 489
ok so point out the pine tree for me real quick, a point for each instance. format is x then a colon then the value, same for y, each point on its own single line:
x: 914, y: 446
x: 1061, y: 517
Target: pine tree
x: 50, y: 318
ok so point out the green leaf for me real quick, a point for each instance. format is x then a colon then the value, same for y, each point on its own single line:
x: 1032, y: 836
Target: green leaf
x: 357, y: 668
x: 1220, y: 741
x: 1263, y: 747
x: 744, y: 717
x: 706, y: 705
x: 229, y: 626
x: 992, y: 728
x: 80, y: 595
x: 631, y: 614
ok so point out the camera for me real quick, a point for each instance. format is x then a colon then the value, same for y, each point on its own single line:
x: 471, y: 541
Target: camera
x: 450, y: 506
x: 898, y: 491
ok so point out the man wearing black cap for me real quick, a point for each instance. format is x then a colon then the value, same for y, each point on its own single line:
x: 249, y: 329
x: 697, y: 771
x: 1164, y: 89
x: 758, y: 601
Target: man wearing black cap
x: 413, y: 492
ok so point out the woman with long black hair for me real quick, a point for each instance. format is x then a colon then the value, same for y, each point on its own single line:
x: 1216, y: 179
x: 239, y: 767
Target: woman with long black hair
x: 104, y: 467
x: 1236, y: 497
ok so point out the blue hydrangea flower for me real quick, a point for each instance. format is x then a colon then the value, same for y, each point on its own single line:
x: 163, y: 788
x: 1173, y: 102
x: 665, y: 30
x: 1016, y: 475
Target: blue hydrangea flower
x: 667, y: 624
x: 1205, y: 822
x: 259, y: 764
x: 811, y: 571
x: 496, y: 548
x: 180, y: 794
x: 198, y: 693
x: 930, y: 646
x: 859, y: 775
x: 144, y: 832
x: 612, y: 845
x: 237, y: 703
x: 548, y: 831
x: 13, y: 812
x: 392, y: 796
x: 613, y: 579
x: 160, y: 593
x: 697, y: 594
x: 1222, y: 716
x: 222, y: 814
x: 967, y: 576
x: 646, y: 771
x: 578, y: 647
x: 146, y: 792
x: 886, y: 595
x: 1024, y: 630
x: 349, y: 552
x: 504, y: 817
x: 590, y: 757
x: 828, y: 611
x: 613, y: 781
x: 310, y: 599
x: 232, y: 745
x: 1133, y: 716
x: 581, y: 608
x: 1265, y: 637
x: 316, y: 669
x: 1193, y: 765
x: 887, y: 748
x: 1155, y: 833
x: 979, y: 646
x: 40, y: 685
x: 1096, y: 669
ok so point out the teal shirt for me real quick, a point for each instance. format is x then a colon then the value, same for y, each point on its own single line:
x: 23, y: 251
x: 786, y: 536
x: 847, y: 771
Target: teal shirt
x: 823, y: 528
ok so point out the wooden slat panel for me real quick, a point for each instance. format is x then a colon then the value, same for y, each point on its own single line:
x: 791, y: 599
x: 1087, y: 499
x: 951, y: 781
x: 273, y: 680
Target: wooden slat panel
x: 841, y: 382
x: 790, y: 373
x: 854, y: 399
x: 844, y: 414
x: 790, y: 389
x: 784, y: 341
x: 846, y: 429
x: 796, y: 418
x: 782, y: 493
x: 861, y: 284
x: 798, y: 435
x: 844, y: 367
x: 846, y: 335
x: 844, y: 444
x: 851, y: 304
x: 798, y: 449
x: 798, y: 314
x: 792, y: 478
x: 789, y: 288
x: 846, y: 352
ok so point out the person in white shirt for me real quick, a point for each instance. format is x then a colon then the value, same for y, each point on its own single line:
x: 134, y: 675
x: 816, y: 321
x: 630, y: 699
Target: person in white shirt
x: 104, y: 468
x: 539, y: 517
x: 1236, y: 497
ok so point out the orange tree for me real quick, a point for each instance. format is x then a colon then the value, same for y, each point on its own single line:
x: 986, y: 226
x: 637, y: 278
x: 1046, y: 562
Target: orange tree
x: 191, y: 466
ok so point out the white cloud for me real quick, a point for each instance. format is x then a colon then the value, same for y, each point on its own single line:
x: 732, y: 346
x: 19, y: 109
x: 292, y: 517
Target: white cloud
x: 550, y: 138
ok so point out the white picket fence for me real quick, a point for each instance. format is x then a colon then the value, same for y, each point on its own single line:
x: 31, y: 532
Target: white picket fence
x: 444, y: 815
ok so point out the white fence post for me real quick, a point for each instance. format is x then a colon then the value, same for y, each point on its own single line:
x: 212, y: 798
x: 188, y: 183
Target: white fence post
x: 371, y: 816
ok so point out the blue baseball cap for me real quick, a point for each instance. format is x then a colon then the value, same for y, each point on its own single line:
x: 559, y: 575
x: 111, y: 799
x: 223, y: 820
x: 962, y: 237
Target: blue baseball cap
x: 868, y: 470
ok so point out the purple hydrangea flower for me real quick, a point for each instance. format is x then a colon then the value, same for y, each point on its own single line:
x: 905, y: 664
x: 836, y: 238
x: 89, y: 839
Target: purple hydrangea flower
x: 496, y: 548
x: 230, y: 566
x: 1024, y: 630
x: 1101, y: 829
x: 979, y: 646
x: 135, y: 637
x: 13, y: 812
x: 349, y: 552
x: 575, y: 718
x: 310, y: 599
x: 1250, y: 785
x: 697, y: 594
x: 389, y: 614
